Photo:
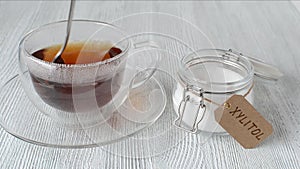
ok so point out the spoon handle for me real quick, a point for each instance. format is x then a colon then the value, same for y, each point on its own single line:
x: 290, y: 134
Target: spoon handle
x: 69, y: 24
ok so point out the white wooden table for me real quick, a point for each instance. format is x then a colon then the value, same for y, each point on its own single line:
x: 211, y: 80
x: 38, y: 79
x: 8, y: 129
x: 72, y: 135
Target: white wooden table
x: 267, y: 30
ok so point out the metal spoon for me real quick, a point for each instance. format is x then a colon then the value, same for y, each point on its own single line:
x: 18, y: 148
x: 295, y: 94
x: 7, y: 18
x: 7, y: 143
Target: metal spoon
x: 57, y: 58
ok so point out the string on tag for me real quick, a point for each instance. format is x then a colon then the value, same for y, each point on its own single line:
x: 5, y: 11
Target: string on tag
x: 218, y: 104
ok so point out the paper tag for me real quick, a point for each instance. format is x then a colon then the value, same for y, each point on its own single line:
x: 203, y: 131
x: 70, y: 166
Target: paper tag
x: 239, y: 118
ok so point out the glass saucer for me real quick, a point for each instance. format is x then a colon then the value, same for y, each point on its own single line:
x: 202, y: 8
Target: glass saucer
x: 20, y: 118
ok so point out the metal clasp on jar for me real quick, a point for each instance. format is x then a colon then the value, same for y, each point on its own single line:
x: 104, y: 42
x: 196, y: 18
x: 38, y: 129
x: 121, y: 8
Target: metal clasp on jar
x: 179, y: 122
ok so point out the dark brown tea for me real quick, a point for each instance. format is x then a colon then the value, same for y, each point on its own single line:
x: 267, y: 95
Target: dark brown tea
x: 79, y: 52
x: 61, y: 95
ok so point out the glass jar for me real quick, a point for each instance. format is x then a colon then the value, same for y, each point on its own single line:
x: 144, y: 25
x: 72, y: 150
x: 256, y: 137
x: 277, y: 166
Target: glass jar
x: 205, y: 80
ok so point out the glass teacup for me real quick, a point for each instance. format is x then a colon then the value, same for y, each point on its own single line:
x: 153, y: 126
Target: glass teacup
x: 81, y: 89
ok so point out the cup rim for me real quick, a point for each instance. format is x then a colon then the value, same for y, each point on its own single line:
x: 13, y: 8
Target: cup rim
x: 27, y: 35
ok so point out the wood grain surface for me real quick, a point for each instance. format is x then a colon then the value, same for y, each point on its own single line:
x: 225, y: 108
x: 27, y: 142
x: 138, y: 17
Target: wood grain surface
x: 265, y: 30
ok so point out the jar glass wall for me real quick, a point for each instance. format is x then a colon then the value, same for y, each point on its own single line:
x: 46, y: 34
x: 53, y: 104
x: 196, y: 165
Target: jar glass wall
x: 217, y: 74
